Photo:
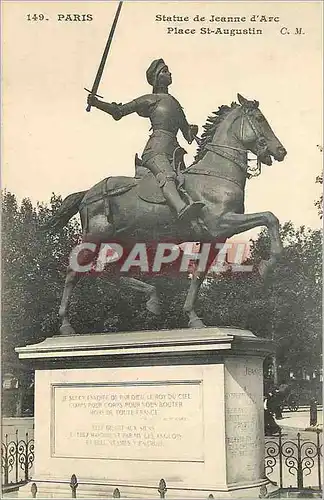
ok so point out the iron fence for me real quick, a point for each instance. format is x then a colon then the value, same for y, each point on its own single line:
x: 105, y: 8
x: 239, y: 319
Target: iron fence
x: 287, y: 461
x: 298, y: 459
x: 161, y: 489
x: 17, y: 458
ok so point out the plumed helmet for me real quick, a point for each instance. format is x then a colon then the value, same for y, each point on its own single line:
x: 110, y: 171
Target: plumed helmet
x: 153, y: 70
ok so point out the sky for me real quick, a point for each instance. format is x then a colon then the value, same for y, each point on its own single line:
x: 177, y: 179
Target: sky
x: 50, y: 144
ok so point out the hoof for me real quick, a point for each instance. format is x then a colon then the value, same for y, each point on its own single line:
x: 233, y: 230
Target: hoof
x: 196, y: 323
x: 67, y: 330
x: 153, y: 305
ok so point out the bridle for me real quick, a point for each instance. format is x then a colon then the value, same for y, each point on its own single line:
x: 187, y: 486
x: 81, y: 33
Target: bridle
x: 242, y: 162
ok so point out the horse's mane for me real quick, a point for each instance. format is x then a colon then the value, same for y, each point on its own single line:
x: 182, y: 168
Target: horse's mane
x: 210, y: 128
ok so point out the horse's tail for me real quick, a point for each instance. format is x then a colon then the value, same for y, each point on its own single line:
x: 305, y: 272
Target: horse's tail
x: 69, y: 207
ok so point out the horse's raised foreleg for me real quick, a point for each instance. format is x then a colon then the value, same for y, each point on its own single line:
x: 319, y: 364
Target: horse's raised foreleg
x: 72, y: 277
x: 237, y: 223
x: 153, y: 302
x: 189, y: 305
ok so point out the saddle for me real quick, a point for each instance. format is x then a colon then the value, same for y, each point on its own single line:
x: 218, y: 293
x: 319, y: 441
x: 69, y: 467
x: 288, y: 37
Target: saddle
x: 147, y: 186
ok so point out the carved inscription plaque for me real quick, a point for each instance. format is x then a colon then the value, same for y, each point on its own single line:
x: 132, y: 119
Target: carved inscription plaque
x: 244, y: 419
x: 136, y: 421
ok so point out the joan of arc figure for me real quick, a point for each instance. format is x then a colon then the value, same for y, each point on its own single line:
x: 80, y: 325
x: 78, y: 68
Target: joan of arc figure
x: 167, y: 118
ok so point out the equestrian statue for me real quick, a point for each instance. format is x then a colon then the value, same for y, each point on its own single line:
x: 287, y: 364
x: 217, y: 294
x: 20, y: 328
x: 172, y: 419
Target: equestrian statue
x: 201, y: 203
x: 209, y: 204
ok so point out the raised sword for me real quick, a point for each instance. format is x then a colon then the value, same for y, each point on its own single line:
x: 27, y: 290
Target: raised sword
x: 96, y: 82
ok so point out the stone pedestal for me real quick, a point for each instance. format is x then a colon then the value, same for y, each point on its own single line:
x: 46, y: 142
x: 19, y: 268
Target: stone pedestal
x: 128, y: 409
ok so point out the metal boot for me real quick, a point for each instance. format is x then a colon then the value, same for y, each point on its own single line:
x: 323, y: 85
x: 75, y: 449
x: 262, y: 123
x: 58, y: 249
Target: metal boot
x: 184, y: 212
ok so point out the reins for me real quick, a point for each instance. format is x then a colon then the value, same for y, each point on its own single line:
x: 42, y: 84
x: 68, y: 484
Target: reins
x: 243, y: 164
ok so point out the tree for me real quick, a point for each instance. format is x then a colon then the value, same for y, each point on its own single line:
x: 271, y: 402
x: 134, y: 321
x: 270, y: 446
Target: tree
x: 286, y: 307
x: 33, y: 272
x: 33, y: 265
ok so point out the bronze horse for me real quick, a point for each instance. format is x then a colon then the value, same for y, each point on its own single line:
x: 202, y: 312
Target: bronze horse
x: 217, y: 177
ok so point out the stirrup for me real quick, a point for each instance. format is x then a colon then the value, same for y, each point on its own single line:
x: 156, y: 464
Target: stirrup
x: 191, y: 211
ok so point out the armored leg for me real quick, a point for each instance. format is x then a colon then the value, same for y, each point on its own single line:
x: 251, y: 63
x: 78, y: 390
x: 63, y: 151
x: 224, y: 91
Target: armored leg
x: 160, y: 166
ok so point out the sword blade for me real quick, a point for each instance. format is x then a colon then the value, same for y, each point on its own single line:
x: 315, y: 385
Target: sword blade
x: 96, y: 82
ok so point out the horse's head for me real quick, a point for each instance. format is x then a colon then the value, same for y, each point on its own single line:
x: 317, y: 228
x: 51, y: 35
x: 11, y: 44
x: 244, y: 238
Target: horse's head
x: 255, y: 133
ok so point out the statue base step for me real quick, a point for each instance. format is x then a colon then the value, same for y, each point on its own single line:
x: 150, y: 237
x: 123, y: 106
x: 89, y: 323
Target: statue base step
x: 45, y: 489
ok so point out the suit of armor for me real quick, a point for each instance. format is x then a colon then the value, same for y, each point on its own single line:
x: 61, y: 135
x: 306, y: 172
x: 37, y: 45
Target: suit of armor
x: 167, y: 118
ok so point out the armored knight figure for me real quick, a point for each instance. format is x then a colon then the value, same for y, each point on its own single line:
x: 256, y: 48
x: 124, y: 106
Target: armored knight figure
x: 167, y: 118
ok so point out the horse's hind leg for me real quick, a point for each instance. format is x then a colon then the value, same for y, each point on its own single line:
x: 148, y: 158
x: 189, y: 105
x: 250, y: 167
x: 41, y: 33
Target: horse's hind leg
x: 153, y: 302
x: 189, y: 305
x: 72, y: 277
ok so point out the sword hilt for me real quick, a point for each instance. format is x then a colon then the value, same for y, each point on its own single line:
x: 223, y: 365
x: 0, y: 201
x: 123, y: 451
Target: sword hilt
x: 88, y: 108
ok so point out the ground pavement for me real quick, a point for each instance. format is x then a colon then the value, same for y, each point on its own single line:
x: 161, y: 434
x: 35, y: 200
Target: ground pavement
x: 299, y: 420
